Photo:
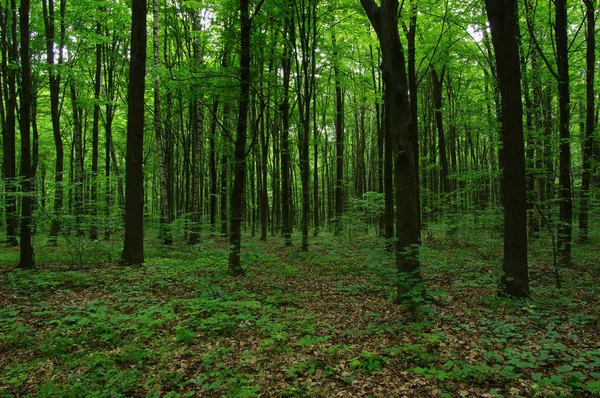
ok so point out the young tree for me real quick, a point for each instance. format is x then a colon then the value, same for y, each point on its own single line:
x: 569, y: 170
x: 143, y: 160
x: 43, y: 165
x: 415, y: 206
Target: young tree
x: 502, y: 16
x: 165, y: 219
x: 589, y: 120
x: 286, y: 216
x: 54, y: 77
x: 133, y: 248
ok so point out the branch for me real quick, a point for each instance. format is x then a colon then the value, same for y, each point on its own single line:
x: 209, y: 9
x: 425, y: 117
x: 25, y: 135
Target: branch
x: 372, y: 9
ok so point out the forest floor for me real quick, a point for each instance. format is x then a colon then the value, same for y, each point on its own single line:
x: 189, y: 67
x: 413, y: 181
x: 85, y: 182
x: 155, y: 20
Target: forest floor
x: 316, y: 324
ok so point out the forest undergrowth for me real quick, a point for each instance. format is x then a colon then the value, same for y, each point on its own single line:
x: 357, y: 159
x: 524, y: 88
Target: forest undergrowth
x: 299, y: 324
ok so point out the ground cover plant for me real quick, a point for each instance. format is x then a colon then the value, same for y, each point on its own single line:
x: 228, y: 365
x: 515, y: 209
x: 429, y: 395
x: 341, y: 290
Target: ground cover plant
x: 317, y: 323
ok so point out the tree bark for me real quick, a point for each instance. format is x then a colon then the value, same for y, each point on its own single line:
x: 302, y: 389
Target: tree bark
x: 503, y: 19
x: 239, y: 173
x: 565, y: 227
x: 164, y: 233
x: 588, y: 143
x: 10, y: 53
x: 339, y: 143
x: 133, y: 248
x: 95, y: 140
x: 397, y: 109
x: 26, y: 259
x: 286, y: 216
x: 78, y: 160
x: 54, y: 78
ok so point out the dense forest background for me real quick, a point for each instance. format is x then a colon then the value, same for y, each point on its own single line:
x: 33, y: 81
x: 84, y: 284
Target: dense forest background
x: 260, y: 133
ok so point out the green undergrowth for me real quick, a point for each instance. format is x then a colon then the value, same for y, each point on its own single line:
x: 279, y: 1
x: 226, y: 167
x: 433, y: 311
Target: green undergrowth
x: 316, y: 323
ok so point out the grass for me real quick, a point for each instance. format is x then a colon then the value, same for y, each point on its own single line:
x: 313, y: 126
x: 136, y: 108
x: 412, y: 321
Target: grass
x: 321, y: 323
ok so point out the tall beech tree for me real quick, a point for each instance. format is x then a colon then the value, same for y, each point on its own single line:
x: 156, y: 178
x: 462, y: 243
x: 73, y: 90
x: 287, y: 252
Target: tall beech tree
x: 503, y: 19
x: 565, y: 225
x: 10, y: 57
x: 26, y: 259
x: 397, y: 121
x: 133, y: 248
x: 239, y: 171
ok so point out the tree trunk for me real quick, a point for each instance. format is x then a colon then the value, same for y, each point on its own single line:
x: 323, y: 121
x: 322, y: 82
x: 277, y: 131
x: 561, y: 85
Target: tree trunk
x: 197, y: 145
x: 339, y: 144
x: 239, y: 174
x: 164, y: 233
x: 54, y: 86
x: 133, y: 248
x: 286, y: 216
x: 437, y: 103
x: 588, y: 149
x: 78, y: 160
x: 212, y: 168
x: 224, y: 172
x: 9, y: 162
x: 565, y: 227
x: 397, y: 108
x: 26, y: 259
x: 503, y: 19
x: 95, y: 141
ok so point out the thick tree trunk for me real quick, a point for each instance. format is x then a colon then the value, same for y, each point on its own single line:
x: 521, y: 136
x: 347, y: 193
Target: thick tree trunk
x: 26, y: 259
x: 503, y: 23
x: 9, y: 163
x: 133, y: 248
x: 397, y: 109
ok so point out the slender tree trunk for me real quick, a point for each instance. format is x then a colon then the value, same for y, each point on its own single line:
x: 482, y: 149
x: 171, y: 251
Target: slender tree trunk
x: 213, y: 168
x: 197, y: 146
x: 339, y: 144
x: 239, y: 176
x: 26, y: 259
x: 78, y: 160
x: 286, y: 216
x: 224, y: 172
x: 9, y: 162
x: 133, y: 248
x: 503, y: 21
x: 95, y: 141
x: 588, y: 144
x: 413, y: 91
x: 565, y: 227
x: 437, y: 101
x: 54, y: 85
x: 264, y: 198
x: 164, y: 233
